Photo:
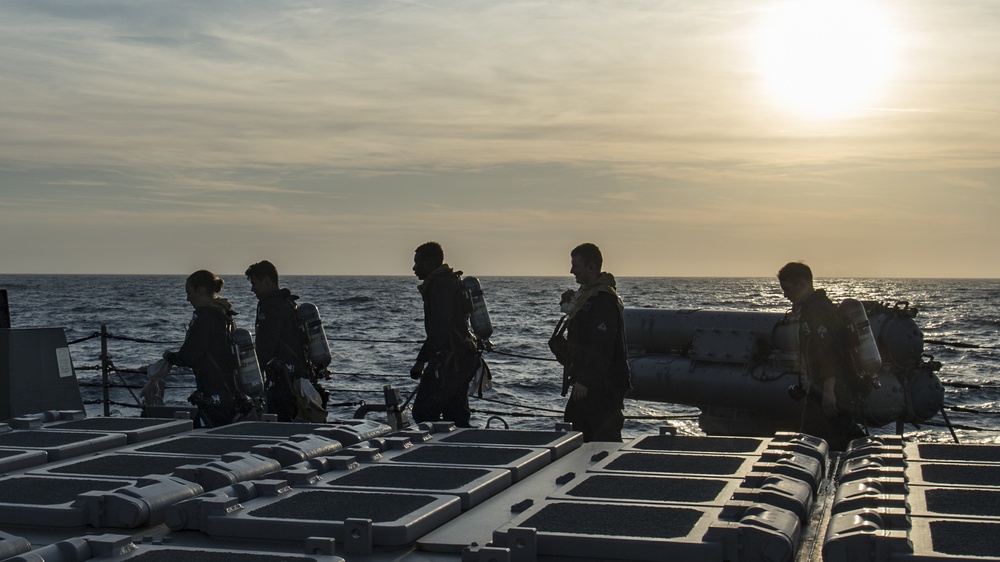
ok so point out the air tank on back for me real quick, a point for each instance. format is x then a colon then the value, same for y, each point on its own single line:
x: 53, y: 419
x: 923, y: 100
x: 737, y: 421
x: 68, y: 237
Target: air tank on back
x: 864, y: 350
x: 318, y: 347
x: 479, y: 315
x: 248, y: 371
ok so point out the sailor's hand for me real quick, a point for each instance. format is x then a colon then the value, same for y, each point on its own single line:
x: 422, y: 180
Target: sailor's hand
x: 417, y: 370
x: 579, y: 392
x: 567, y: 296
x: 829, y: 398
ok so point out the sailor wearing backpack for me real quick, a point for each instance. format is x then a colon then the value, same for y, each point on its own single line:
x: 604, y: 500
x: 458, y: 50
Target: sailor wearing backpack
x: 449, y: 357
x: 830, y: 407
x: 281, y: 348
x: 208, y: 352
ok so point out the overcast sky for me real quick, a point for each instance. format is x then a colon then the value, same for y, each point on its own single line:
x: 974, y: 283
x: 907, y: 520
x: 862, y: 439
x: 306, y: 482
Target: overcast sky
x: 686, y: 138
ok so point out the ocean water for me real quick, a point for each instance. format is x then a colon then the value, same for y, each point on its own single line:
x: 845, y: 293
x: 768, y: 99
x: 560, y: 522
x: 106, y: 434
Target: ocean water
x: 375, y: 327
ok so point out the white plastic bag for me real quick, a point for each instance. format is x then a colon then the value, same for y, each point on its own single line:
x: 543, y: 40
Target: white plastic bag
x: 309, y: 401
x: 482, y: 380
x: 152, y: 393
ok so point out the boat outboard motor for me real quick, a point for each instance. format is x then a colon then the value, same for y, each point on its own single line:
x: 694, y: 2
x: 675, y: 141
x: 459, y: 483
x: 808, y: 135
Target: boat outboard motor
x: 318, y: 347
x: 248, y: 370
x: 479, y: 315
x: 861, y: 340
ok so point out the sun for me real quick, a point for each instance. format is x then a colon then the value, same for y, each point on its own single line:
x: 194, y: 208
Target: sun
x: 824, y: 58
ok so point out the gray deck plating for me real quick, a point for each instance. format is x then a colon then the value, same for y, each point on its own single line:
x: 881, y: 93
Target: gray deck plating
x: 357, y: 491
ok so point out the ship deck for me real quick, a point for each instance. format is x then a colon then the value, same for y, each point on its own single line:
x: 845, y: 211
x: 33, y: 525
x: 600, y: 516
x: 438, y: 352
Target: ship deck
x: 81, y: 489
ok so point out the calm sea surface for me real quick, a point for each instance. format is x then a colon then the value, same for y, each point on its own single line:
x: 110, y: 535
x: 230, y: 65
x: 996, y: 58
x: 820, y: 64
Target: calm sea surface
x: 375, y: 326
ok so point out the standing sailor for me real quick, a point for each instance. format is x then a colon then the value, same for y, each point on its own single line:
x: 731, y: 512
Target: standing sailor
x: 448, y: 358
x: 207, y: 351
x: 828, y: 408
x: 280, y: 341
x: 597, y: 370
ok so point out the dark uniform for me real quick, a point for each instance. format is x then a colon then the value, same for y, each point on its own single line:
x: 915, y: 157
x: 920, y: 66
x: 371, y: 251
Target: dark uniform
x: 821, y: 340
x: 207, y: 351
x: 448, y: 351
x: 279, y: 337
x: 598, y: 360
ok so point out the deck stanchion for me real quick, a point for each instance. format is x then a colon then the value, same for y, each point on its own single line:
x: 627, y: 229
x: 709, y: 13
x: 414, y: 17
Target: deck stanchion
x: 105, y: 370
x: 4, y: 310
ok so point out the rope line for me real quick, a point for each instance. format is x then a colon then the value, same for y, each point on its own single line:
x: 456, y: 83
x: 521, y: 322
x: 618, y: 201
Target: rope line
x: 85, y: 338
x: 954, y: 344
x: 524, y: 356
x: 355, y: 390
x: 513, y: 414
x: 532, y: 411
x: 175, y: 370
x: 364, y: 340
x: 100, y: 401
x: 353, y: 374
x: 142, y: 340
x: 357, y: 340
x: 496, y: 401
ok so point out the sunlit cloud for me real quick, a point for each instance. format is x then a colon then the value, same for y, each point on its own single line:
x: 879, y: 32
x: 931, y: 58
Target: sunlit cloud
x: 368, y: 124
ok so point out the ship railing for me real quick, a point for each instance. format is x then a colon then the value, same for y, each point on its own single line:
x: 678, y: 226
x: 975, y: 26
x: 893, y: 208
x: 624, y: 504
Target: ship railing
x: 514, y: 409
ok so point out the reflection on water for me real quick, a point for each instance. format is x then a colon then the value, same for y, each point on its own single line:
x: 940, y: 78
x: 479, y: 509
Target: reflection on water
x: 375, y: 324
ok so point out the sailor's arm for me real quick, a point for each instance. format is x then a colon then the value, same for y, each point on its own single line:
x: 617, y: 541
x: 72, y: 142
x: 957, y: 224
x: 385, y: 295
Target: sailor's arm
x: 267, y: 336
x: 195, y: 344
x: 830, y: 397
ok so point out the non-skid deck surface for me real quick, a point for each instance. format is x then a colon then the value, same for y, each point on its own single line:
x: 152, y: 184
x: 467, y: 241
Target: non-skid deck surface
x: 734, y: 445
x: 33, y: 490
x: 410, y: 476
x: 125, y: 465
x: 214, y: 446
x: 614, y: 520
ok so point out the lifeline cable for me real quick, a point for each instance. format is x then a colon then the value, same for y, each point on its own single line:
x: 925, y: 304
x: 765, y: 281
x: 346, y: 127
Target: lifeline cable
x: 125, y: 384
x: 356, y: 374
x: 85, y: 338
x: 357, y: 390
x: 514, y: 414
x: 524, y: 356
x: 360, y: 340
x: 364, y: 340
x: 141, y: 340
x: 495, y: 401
x: 954, y: 344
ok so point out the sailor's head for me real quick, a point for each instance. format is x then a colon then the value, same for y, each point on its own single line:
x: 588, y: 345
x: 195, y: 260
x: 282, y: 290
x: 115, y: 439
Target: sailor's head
x: 201, y: 287
x: 263, y: 277
x: 586, y: 262
x: 796, y: 281
x: 426, y: 258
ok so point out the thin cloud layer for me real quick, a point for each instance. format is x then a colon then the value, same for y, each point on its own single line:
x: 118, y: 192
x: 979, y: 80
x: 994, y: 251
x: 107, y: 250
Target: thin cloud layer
x: 354, y: 129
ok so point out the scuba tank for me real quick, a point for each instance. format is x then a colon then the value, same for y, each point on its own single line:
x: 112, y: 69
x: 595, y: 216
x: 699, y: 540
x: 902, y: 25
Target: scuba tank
x: 318, y: 348
x: 475, y: 304
x: 247, y: 369
x: 861, y: 340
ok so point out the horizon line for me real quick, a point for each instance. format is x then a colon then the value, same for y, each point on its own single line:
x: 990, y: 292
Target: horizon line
x: 286, y: 275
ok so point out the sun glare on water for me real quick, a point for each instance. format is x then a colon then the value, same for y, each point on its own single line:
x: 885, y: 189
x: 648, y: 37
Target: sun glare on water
x: 824, y: 58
